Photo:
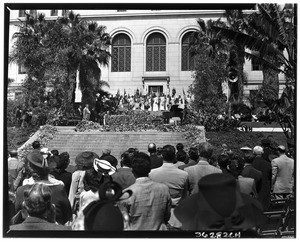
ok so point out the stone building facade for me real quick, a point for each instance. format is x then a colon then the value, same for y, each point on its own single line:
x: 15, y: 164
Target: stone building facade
x: 149, y: 49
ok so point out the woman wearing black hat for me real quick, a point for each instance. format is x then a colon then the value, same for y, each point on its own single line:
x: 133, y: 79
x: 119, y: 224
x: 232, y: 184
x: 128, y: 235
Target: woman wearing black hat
x: 84, y: 161
x: 40, y: 166
x: 60, y: 172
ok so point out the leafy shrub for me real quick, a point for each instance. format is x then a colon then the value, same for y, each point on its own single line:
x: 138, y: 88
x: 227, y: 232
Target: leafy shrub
x: 240, y: 108
x: 16, y: 136
x: 11, y: 109
x: 237, y: 139
x: 45, y: 134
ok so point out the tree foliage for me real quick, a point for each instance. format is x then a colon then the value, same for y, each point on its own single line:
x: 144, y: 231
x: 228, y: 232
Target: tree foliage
x: 269, y: 34
x: 52, y: 51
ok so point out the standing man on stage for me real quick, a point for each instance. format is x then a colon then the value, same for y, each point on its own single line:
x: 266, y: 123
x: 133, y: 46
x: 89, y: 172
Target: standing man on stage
x: 86, y: 113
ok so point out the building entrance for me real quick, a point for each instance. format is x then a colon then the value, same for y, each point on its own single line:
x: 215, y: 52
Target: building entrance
x: 155, y: 89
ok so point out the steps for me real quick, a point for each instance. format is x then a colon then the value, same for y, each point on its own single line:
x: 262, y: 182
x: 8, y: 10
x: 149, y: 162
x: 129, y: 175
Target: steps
x: 67, y: 139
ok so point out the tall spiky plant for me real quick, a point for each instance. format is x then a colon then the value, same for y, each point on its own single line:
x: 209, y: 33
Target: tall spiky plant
x: 53, y: 52
x: 270, y: 32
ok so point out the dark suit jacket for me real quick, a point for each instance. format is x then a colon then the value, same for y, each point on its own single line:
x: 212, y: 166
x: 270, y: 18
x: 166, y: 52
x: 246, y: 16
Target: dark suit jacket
x: 190, y: 163
x: 265, y: 167
x: 33, y: 223
x: 124, y: 177
x: 250, y: 171
x: 58, y: 197
x: 156, y: 161
x: 64, y: 176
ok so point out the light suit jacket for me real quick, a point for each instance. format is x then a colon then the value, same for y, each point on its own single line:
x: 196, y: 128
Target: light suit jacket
x: 174, y: 178
x: 149, y: 206
x: 196, y: 172
x: 282, y: 174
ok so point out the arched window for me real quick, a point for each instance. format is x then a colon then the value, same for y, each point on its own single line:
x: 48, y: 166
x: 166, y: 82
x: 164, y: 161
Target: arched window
x: 121, y: 53
x: 156, y: 53
x: 256, y: 66
x: 22, y: 13
x: 33, y: 13
x: 54, y: 12
x: 187, y: 59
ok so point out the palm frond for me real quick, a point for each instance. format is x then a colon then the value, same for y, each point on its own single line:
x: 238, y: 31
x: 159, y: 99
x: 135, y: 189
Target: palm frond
x: 250, y: 42
x: 201, y: 24
x: 268, y: 64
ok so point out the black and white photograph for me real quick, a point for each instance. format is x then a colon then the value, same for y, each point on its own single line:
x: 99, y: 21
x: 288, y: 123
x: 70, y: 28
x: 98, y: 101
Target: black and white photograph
x: 149, y: 120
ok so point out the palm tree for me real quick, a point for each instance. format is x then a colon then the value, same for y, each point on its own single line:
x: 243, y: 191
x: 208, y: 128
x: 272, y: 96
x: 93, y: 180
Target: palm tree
x: 89, y: 50
x: 53, y: 52
x: 269, y: 35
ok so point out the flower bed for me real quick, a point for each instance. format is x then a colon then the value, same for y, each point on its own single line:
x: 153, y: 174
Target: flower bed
x: 45, y: 134
x: 137, y: 121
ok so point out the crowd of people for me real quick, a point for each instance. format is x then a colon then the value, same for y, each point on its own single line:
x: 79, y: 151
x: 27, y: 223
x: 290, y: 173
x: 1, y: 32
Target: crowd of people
x: 167, y: 189
x: 118, y: 104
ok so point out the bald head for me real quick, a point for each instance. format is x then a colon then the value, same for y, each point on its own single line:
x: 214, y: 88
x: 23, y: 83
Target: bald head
x: 151, y: 148
x: 258, y: 150
x: 281, y: 149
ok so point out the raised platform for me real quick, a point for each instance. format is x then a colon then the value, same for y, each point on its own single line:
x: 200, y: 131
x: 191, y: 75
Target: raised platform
x: 67, y: 139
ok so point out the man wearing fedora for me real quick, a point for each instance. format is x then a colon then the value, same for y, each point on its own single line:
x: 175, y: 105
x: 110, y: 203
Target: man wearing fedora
x: 282, y: 174
x: 203, y: 168
x: 40, y: 167
x: 218, y: 205
x: 150, y: 204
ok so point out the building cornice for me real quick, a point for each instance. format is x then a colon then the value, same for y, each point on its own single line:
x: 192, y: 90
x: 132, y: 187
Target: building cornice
x: 146, y: 14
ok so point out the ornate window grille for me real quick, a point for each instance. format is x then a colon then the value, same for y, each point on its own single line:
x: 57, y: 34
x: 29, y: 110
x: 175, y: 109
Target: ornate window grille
x: 156, y: 53
x: 33, y: 13
x: 256, y: 66
x: 21, y: 69
x: 121, y: 53
x: 54, y: 12
x: 22, y: 13
x: 187, y: 59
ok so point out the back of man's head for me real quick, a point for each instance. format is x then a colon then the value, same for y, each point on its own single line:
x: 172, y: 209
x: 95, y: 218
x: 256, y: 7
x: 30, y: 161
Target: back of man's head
x: 236, y: 166
x: 141, y: 165
x: 223, y: 161
x: 205, y: 150
x: 193, y: 153
x: 168, y: 153
x: 281, y: 149
x: 179, y: 146
x: 258, y: 150
x: 36, y: 145
x: 54, y: 152
x: 151, y: 148
x: 182, y: 156
x: 127, y: 156
x: 249, y: 158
